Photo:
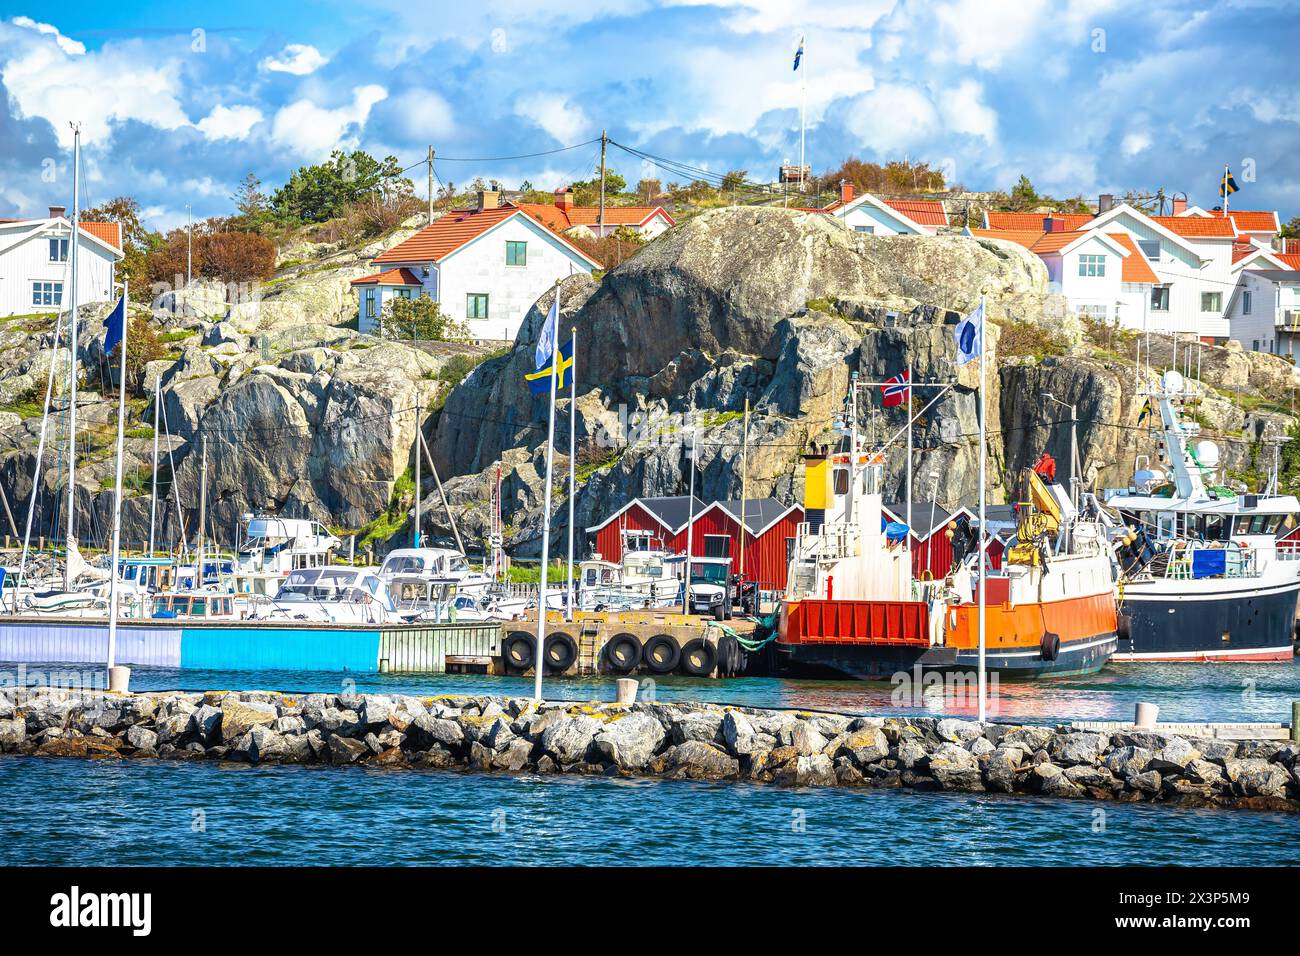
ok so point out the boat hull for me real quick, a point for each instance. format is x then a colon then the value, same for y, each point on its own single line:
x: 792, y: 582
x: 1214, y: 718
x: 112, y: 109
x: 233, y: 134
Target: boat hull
x: 1161, y: 624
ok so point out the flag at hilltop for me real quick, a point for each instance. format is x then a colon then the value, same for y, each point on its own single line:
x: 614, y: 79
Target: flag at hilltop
x: 970, y: 335
x: 1228, y: 185
x: 798, y: 54
x: 897, y: 390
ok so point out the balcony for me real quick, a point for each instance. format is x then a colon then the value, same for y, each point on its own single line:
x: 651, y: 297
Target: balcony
x: 1288, y: 319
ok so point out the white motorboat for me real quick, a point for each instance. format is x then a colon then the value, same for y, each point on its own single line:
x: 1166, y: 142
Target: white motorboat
x: 334, y: 595
x: 274, y: 547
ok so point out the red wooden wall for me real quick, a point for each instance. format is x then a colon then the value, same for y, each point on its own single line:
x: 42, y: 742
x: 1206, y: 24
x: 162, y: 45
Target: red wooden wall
x: 609, y: 539
x: 765, y: 556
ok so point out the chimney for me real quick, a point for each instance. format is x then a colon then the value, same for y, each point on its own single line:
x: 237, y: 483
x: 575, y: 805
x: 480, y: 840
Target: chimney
x: 1105, y: 203
x: 564, y: 198
x: 1180, y: 206
x: 846, y: 192
x: 488, y: 199
x: 57, y: 211
x: 1052, y: 224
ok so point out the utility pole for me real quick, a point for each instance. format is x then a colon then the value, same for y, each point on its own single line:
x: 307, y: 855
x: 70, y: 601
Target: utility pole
x: 431, y: 184
x: 600, y: 230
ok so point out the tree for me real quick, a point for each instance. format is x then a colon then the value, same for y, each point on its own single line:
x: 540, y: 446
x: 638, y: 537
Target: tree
x: 1023, y: 194
x: 734, y: 179
x: 587, y: 193
x: 893, y: 177
x: 418, y: 318
x: 142, y: 347
x: 136, y: 240
x: 321, y: 192
x: 226, y: 255
x: 1291, y: 230
x: 649, y: 188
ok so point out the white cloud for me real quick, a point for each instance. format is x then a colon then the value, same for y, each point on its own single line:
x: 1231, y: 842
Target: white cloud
x: 312, y: 130
x: 66, y: 44
x: 296, y: 58
x: 893, y: 118
x: 561, y: 119
x: 51, y: 77
x: 964, y: 111
x: 420, y: 113
x: 1133, y: 143
x: 230, y: 122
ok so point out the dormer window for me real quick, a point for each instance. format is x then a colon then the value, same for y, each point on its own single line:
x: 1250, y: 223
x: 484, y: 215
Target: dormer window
x: 1150, y: 248
x: 58, y: 250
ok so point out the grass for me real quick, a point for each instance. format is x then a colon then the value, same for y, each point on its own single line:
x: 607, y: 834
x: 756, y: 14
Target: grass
x: 392, y: 520
x: 1027, y: 339
x: 144, y: 431
x: 712, y: 419
x: 30, y: 404
x: 597, y: 459
x: 826, y: 306
x: 532, y: 573
x: 178, y: 335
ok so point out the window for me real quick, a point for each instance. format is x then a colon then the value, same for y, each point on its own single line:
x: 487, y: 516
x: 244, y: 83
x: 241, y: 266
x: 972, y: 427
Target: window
x: 717, y: 546
x: 1092, y: 266
x: 476, y: 305
x: 47, y: 293
x: 1245, y: 303
x: 1160, y: 298
x: 869, y: 230
x: 370, y: 303
x: 516, y: 253
x: 58, y: 250
x: 1211, y: 301
x: 841, y: 479
x: 1254, y: 347
x: 1095, y: 312
x: 401, y: 294
x: 1150, y: 248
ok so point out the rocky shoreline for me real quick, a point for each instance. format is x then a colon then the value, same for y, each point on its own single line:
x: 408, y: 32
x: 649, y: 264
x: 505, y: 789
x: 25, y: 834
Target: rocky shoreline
x: 669, y: 740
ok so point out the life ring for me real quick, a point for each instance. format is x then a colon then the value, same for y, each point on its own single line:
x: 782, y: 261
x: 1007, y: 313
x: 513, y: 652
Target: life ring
x: 661, y: 653
x: 699, y: 657
x: 623, y: 653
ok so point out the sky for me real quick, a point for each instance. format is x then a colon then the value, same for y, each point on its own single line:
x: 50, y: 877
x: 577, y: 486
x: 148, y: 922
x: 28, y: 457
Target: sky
x: 177, y: 101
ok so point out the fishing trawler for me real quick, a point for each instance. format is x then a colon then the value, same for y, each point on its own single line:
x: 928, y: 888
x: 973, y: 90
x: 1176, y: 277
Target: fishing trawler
x: 853, y: 608
x: 1205, y: 575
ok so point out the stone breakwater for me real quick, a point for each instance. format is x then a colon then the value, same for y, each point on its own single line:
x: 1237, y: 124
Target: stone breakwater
x: 668, y: 740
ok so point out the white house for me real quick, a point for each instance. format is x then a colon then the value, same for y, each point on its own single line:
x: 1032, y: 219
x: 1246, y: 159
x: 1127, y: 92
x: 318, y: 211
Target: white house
x: 648, y: 222
x: 1264, y: 310
x: 1190, y: 255
x: 885, y: 217
x: 35, y: 262
x: 484, y: 266
x: 1102, y: 274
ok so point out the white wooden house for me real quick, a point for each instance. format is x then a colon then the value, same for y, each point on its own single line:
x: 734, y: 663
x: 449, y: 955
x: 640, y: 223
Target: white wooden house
x: 35, y: 262
x: 484, y: 266
x: 885, y: 217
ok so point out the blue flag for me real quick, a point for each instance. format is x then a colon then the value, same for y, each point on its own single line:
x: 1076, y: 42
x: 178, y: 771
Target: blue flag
x: 539, y: 382
x: 549, y: 334
x: 970, y: 335
x: 113, y: 326
x: 798, y: 54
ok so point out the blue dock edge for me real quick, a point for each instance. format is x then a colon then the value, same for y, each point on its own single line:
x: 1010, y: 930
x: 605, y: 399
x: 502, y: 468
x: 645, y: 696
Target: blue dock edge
x: 247, y: 646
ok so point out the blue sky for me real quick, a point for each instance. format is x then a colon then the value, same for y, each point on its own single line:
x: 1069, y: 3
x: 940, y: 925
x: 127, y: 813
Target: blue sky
x: 179, y: 100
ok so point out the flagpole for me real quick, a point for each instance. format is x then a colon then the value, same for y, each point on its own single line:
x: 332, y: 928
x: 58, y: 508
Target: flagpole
x: 1223, y: 188
x: 153, y: 505
x: 909, y: 457
x: 539, y: 662
x: 72, y: 358
x: 117, y: 501
x: 983, y: 677
x: 573, y: 444
x: 803, y: 107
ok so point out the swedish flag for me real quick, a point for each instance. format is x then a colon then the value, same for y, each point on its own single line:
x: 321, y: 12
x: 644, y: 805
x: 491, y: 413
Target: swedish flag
x: 1147, y: 410
x: 1228, y: 185
x: 798, y: 54
x: 539, y: 382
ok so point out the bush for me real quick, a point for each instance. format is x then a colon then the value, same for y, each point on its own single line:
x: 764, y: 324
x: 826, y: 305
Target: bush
x: 418, y: 318
x: 142, y: 347
x: 1028, y: 338
x: 227, y: 256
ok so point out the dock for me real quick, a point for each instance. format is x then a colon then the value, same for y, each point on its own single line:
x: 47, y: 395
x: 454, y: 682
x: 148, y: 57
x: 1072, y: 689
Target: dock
x: 1215, y: 731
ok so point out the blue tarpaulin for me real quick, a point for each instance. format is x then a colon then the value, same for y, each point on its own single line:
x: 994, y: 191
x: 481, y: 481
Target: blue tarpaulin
x: 1208, y: 564
x: 895, y: 531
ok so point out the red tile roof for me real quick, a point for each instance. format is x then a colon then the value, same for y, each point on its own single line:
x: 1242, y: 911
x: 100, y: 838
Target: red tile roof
x: 1034, y: 220
x: 110, y: 232
x: 1197, y: 227
x: 1292, y: 259
x: 1250, y: 220
x: 924, y: 212
x: 1135, y: 267
x: 562, y: 219
x: 444, y: 236
x: 390, y: 277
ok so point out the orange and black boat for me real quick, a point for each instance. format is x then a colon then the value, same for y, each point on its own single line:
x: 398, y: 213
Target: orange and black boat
x: 852, y: 607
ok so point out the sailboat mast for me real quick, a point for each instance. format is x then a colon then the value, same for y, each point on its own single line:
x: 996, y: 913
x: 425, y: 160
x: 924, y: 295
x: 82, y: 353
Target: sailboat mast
x: 117, y: 496
x: 75, y: 245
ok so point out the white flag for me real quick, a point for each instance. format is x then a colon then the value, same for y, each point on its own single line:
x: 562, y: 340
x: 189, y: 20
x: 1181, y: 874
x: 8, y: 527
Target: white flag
x: 550, y: 332
x: 970, y: 335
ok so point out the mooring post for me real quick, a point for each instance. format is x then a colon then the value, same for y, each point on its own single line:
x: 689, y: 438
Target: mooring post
x: 119, y: 679
x: 1145, y: 718
x: 626, y: 690
x: 1295, y: 720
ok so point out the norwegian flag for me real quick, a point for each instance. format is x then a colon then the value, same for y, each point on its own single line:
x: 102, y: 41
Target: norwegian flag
x: 897, y: 390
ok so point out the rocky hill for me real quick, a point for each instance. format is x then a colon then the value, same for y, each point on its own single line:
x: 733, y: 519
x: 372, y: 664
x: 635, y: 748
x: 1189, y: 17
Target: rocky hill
x: 303, y: 415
